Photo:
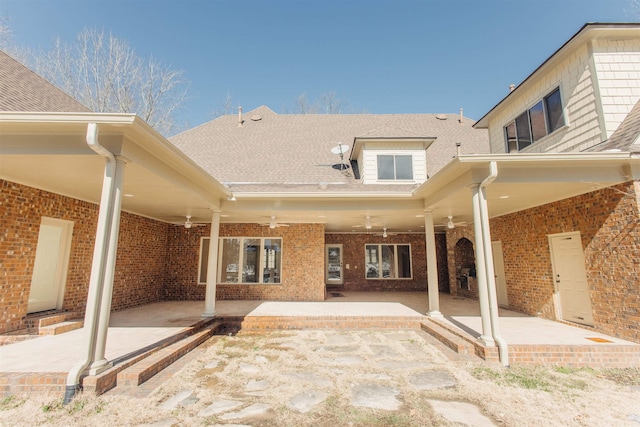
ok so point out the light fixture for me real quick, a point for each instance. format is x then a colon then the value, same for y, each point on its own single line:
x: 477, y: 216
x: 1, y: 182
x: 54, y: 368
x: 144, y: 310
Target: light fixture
x: 367, y: 224
x: 450, y: 224
x: 272, y: 224
x: 384, y: 232
x: 188, y: 223
x: 231, y: 198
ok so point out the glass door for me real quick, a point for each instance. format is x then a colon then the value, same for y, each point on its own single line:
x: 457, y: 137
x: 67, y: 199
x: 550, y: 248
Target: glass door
x: 333, y: 262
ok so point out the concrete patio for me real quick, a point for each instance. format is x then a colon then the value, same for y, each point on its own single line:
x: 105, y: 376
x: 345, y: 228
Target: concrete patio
x: 136, y: 331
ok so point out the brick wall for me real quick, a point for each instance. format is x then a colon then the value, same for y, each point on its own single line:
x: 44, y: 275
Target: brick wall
x: 302, y: 264
x: 140, y: 265
x: 609, y: 224
x: 353, y: 254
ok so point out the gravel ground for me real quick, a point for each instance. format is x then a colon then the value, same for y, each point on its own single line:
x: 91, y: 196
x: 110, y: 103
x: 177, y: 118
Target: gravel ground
x: 346, y: 378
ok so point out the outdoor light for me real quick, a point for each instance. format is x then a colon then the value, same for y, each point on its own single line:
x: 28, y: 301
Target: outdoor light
x: 367, y: 224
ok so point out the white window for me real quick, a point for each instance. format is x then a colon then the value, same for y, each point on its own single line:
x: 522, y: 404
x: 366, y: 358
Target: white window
x: 384, y: 261
x: 244, y: 260
x: 395, y: 167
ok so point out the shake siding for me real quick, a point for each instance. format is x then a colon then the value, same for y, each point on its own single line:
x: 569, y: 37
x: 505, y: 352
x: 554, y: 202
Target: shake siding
x: 617, y: 64
x: 582, y: 130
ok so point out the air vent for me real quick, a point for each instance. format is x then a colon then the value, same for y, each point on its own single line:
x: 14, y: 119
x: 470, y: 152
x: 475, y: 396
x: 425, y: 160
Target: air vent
x: 256, y: 117
x: 441, y: 116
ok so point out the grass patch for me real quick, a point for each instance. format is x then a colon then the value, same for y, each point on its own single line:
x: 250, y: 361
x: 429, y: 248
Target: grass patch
x: 10, y: 402
x: 530, y: 378
x: 622, y: 376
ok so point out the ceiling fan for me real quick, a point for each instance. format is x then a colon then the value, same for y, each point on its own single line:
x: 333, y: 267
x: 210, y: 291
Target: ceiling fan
x: 188, y: 223
x: 451, y: 225
x: 385, y: 233
x: 273, y: 223
x: 368, y: 225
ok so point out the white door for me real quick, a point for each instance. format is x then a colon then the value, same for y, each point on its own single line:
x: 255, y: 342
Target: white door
x: 570, y: 278
x: 498, y: 268
x: 333, y: 262
x: 50, y: 266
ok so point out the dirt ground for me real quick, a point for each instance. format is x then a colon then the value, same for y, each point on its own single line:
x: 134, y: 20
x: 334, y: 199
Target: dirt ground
x: 274, y: 369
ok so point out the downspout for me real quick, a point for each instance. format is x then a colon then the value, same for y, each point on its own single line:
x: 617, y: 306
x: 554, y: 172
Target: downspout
x: 100, y: 251
x: 488, y: 261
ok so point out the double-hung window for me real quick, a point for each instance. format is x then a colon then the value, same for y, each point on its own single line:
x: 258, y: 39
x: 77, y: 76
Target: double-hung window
x: 387, y: 261
x: 544, y: 118
x: 395, y: 167
x: 245, y: 260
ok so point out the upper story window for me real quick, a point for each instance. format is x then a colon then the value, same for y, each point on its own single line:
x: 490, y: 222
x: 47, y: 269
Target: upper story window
x: 543, y: 118
x: 395, y: 167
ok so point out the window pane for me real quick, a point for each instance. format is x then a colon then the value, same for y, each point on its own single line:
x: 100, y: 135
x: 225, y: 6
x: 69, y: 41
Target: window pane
x: 204, y: 259
x: 538, y: 127
x: 510, y: 134
x: 404, y: 262
x: 555, y: 117
x: 251, y: 261
x: 385, y: 167
x: 388, y: 261
x: 522, y: 129
x: 371, y: 261
x: 271, y: 262
x: 230, y: 260
x: 404, y: 167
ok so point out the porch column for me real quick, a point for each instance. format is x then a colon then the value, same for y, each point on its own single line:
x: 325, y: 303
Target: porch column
x: 432, y: 265
x: 212, y: 267
x: 98, y: 361
x: 481, y: 274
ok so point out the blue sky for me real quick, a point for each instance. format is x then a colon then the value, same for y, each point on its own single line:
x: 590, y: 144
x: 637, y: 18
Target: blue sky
x: 400, y: 56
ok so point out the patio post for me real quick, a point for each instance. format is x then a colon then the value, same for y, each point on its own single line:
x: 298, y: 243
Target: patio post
x: 432, y: 265
x: 99, y: 362
x: 483, y: 295
x: 212, y: 267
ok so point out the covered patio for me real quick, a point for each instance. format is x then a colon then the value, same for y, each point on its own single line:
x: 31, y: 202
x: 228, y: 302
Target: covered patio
x: 142, y: 341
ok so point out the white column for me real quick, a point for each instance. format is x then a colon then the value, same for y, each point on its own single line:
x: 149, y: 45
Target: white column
x: 481, y: 272
x: 432, y: 265
x: 212, y: 267
x: 98, y: 361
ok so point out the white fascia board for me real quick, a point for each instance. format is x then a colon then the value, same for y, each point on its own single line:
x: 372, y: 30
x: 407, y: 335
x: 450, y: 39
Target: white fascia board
x: 300, y: 195
x: 39, y: 117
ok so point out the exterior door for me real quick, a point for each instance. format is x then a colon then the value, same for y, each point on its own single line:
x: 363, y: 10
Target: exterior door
x: 498, y: 268
x: 570, y: 278
x: 50, y: 266
x: 333, y: 265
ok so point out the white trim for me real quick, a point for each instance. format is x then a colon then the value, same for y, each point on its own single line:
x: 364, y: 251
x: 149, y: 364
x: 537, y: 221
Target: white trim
x: 260, y: 266
x: 395, y: 261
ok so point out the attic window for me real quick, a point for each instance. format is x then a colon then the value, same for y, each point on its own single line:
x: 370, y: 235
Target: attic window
x: 395, y: 167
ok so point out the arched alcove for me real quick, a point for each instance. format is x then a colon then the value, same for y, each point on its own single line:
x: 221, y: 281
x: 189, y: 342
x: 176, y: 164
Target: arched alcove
x: 465, y: 260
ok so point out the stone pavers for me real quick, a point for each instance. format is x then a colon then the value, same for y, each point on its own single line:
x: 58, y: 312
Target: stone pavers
x: 366, y: 370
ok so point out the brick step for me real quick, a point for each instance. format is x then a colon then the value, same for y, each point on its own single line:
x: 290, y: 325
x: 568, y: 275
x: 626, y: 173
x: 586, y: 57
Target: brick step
x: 15, y: 383
x: 592, y: 356
x: 490, y: 354
x: 61, y: 327
x: 273, y: 323
x: 447, y: 337
x: 104, y: 381
x: 140, y: 372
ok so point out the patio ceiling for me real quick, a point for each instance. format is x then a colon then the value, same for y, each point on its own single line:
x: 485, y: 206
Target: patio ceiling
x: 48, y: 151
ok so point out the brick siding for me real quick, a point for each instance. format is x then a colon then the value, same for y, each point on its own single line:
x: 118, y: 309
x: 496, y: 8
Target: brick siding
x: 609, y: 224
x: 302, y: 264
x: 140, y: 264
x: 353, y: 254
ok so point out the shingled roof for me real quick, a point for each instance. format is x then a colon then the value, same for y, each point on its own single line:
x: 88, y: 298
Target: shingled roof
x: 627, y: 136
x: 23, y: 90
x: 292, y: 152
